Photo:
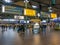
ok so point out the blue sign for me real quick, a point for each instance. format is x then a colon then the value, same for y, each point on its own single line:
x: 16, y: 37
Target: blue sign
x: 22, y: 21
x: 13, y: 10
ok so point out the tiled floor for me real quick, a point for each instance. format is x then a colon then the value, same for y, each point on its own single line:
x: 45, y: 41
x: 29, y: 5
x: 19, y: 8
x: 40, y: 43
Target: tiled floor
x: 11, y: 37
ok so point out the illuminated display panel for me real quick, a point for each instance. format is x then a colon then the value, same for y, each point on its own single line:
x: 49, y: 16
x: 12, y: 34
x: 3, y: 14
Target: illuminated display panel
x: 12, y: 10
x: 29, y: 12
x: 53, y: 15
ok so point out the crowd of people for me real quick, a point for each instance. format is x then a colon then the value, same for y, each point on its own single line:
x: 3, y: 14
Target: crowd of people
x: 43, y: 27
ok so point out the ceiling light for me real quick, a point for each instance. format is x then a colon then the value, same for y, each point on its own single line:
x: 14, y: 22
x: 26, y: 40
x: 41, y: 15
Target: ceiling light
x: 49, y: 7
x: 26, y: 1
x: 50, y: 10
x: 34, y: 6
x: 38, y: 14
x: 8, y: 1
x: 3, y: 8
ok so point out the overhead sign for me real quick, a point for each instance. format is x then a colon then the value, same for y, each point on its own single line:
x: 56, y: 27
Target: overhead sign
x: 12, y: 9
x: 45, y: 14
x: 53, y: 15
x: 35, y: 20
x: 22, y: 21
x: 29, y: 12
x: 19, y: 17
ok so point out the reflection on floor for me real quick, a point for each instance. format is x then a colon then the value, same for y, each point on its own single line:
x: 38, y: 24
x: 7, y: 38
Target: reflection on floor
x: 11, y: 37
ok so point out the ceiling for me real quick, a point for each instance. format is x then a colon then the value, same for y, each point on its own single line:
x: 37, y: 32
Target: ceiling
x: 43, y: 3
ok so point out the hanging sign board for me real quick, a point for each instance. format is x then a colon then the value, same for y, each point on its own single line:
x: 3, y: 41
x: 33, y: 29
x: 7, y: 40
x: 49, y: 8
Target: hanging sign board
x: 35, y: 20
x: 53, y: 15
x: 12, y: 9
x: 29, y: 12
x: 19, y: 17
x: 45, y: 14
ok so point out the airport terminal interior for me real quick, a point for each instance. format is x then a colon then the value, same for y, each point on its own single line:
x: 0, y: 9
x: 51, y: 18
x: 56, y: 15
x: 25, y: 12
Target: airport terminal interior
x: 29, y: 22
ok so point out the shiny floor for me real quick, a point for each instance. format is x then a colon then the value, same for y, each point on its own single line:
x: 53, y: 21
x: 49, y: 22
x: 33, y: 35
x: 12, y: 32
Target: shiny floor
x: 11, y: 37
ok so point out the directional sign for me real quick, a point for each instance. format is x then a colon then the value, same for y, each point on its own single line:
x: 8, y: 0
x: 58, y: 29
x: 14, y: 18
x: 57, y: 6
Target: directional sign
x: 53, y: 15
x: 12, y: 9
x: 29, y: 12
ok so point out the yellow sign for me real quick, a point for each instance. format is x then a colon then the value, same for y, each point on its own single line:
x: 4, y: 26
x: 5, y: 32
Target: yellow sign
x: 53, y: 15
x: 35, y: 20
x: 29, y: 12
